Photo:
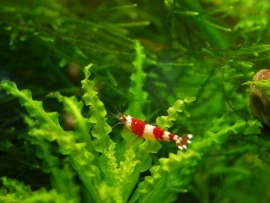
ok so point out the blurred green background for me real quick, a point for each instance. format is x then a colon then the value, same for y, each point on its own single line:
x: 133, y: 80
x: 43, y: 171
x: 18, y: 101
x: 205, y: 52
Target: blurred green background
x: 194, y: 48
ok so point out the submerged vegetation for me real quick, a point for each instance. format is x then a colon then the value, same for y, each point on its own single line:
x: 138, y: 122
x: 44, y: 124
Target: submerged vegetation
x: 186, y: 66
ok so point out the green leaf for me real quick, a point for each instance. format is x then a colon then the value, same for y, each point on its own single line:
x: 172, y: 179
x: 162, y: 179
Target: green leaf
x: 138, y: 95
x: 15, y: 185
x: 166, y: 122
x: 262, y: 85
x: 101, y: 129
x: 82, y: 125
x: 34, y: 108
x: 51, y: 130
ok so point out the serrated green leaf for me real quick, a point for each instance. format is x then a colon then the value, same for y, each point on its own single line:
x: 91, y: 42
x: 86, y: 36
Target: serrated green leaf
x: 138, y: 95
x: 82, y: 125
x: 101, y: 129
x: 51, y: 130
x: 34, y: 108
x: 111, y: 171
x: 166, y: 122
x: 19, y: 187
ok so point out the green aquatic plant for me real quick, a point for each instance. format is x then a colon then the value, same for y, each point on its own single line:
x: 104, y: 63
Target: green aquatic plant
x: 178, y: 64
x: 93, y: 155
x: 105, y: 176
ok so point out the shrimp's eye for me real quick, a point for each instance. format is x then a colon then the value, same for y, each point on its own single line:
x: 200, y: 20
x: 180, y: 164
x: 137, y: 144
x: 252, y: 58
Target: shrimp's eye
x: 121, y: 118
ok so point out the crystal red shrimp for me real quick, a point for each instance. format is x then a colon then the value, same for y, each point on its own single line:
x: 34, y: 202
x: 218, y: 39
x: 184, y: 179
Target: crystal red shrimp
x: 150, y: 132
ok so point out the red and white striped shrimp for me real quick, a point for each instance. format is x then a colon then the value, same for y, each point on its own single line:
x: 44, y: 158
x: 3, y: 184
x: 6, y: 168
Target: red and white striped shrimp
x: 150, y: 132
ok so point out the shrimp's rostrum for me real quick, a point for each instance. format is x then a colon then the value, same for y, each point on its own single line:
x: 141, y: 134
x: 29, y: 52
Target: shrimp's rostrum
x: 150, y: 132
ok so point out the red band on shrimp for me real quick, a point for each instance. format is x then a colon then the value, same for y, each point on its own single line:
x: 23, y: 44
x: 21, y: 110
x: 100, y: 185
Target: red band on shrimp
x: 158, y: 133
x: 171, y: 136
x: 137, y: 126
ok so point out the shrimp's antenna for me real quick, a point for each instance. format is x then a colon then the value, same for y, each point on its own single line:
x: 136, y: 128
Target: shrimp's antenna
x: 117, y: 110
x: 120, y: 103
x: 116, y: 124
x: 112, y: 114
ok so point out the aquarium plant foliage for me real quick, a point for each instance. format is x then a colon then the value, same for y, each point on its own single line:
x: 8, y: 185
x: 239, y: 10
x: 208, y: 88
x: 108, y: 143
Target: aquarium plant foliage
x: 69, y: 67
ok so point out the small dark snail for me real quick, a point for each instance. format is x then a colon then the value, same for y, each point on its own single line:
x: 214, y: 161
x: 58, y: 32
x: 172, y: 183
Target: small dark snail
x: 259, y: 100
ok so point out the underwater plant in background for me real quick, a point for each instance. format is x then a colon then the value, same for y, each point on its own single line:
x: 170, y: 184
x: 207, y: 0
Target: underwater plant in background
x: 107, y: 177
x: 189, y: 66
